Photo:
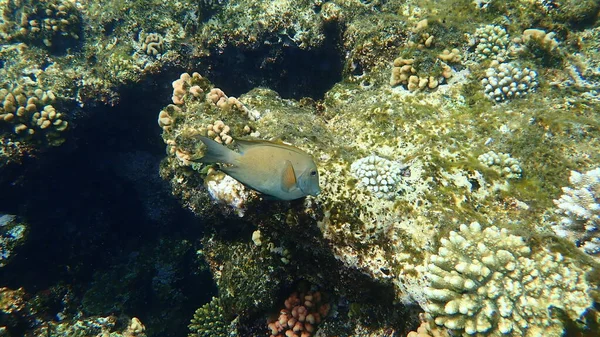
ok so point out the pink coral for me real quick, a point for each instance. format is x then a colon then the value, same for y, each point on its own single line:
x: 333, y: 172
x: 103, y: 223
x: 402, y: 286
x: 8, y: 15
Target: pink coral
x: 302, y: 313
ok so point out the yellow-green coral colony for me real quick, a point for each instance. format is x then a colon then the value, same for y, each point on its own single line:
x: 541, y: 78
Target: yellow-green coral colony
x: 49, y: 23
x: 29, y: 112
x: 209, y: 321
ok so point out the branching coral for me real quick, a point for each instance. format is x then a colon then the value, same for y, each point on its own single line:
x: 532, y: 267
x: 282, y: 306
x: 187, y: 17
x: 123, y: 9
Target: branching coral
x: 209, y: 321
x: 488, y: 282
x: 580, y: 210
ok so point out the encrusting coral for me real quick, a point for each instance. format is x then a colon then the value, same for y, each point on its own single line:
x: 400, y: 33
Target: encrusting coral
x: 579, y: 207
x: 489, y: 282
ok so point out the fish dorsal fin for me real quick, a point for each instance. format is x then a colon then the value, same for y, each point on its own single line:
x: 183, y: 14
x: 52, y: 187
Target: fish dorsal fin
x: 244, y: 145
x: 288, y: 178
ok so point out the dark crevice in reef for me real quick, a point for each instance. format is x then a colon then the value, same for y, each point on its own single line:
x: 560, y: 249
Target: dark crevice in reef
x: 278, y: 64
x: 104, y: 224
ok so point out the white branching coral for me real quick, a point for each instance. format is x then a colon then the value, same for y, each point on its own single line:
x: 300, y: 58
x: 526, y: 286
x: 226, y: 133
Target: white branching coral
x: 379, y: 175
x: 505, y: 81
x: 503, y: 163
x: 488, y: 282
x: 580, y: 208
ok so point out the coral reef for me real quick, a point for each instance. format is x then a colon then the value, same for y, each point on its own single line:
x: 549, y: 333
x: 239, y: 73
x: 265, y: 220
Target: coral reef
x: 488, y: 282
x: 579, y: 207
x: 399, y: 156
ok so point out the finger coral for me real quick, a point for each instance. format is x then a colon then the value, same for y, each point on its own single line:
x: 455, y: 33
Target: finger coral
x: 54, y: 24
x: 28, y: 111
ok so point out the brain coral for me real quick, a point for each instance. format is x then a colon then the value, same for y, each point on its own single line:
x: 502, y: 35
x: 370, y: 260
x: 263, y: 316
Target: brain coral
x: 488, y: 282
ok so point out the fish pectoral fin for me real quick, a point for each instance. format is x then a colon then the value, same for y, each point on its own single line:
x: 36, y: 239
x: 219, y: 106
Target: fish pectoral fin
x: 288, y: 178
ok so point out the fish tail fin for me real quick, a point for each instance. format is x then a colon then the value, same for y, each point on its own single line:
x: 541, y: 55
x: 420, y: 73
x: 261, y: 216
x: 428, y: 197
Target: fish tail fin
x: 217, y: 153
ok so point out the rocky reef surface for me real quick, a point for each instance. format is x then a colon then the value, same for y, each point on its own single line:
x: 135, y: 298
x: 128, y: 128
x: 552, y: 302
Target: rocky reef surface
x: 457, y: 145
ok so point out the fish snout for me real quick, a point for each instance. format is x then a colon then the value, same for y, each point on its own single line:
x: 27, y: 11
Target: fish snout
x: 315, y: 191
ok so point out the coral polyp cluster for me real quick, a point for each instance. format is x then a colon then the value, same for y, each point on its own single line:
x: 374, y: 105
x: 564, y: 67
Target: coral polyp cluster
x: 302, y: 313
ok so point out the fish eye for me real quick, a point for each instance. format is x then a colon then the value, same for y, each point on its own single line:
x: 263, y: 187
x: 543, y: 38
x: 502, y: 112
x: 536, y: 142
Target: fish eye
x: 313, y: 173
